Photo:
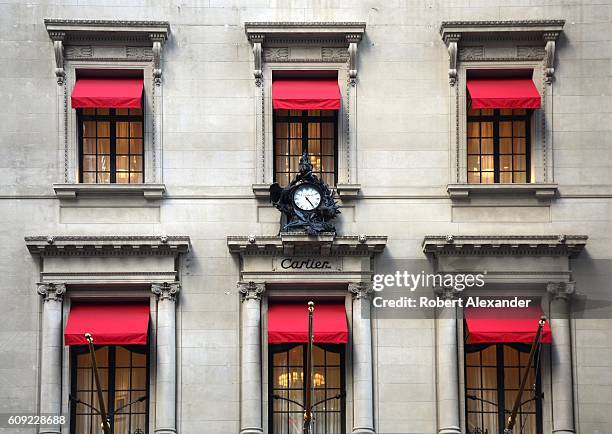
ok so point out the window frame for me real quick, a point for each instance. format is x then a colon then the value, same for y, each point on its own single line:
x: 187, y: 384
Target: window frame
x: 496, y: 118
x: 500, y: 379
x: 305, y: 119
x: 112, y: 118
x: 276, y: 348
x: 111, y: 383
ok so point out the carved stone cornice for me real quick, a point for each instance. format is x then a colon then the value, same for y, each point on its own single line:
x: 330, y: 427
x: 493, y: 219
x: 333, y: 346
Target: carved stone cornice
x: 561, y: 290
x: 503, y: 245
x: 147, y: 33
x: 546, y: 32
x: 343, y: 35
x: 301, y: 244
x: 52, y: 291
x: 360, y: 290
x: 64, y: 245
x: 166, y: 290
x: 251, y: 290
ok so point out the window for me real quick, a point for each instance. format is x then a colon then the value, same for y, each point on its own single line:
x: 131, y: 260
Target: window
x: 492, y: 376
x: 124, y: 378
x: 498, y: 146
x: 287, y: 383
x: 111, y: 146
x: 312, y: 131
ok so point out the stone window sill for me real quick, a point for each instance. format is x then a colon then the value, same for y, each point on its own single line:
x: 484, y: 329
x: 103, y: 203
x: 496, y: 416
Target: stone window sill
x: 467, y: 191
x: 72, y: 191
x: 344, y: 191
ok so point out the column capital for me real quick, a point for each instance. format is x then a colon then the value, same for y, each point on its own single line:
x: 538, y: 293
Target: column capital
x: 561, y: 290
x: 52, y: 291
x: 251, y: 290
x: 166, y: 290
x: 360, y: 289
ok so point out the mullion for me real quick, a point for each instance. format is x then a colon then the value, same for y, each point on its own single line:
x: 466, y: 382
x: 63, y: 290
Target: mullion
x: 113, y: 149
x: 496, y: 113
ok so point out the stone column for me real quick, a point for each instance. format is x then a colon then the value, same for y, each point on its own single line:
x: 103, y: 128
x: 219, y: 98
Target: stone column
x: 447, y: 371
x: 561, y: 357
x: 165, y: 382
x: 363, y: 390
x: 250, y: 358
x: 51, y: 356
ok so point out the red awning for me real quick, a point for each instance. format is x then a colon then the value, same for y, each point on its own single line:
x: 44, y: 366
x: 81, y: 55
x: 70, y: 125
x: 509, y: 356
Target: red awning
x: 109, y: 324
x: 306, y: 94
x: 107, y: 93
x: 288, y: 323
x: 503, y: 93
x: 504, y: 325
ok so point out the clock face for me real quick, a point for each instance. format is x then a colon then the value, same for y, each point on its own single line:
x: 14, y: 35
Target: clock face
x: 306, y: 197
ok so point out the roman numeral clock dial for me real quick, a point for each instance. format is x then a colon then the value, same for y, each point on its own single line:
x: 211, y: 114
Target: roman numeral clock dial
x: 307, y: 197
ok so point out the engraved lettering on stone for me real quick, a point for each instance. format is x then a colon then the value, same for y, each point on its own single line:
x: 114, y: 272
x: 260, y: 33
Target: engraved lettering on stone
x: 471, y: 53
x: 530, y: 52
x: 78, y: 51
x: 276, y: 54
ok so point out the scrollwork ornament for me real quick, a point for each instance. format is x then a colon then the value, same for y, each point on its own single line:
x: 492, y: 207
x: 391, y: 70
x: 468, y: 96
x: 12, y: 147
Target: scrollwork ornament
x: 251, y: 290
x: 360, y: 290
x: 561, y: 290
x: 52, y: 291
x: 166, y: 290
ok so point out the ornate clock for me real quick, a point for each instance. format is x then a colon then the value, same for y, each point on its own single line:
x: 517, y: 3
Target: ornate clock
x: 307, y: 203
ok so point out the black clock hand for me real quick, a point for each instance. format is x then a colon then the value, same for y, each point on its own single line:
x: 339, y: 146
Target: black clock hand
x: 311, y: 204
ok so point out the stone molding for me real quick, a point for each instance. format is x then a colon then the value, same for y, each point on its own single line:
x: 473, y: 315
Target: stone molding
x: 503, y: 245
x: 561, y: 290
x: 298, y: 243
x: 545, y: 32
x: 360, y: 290
x: 543, y: 192
x: 251, y: 290
x: 73, y: 191
x: 63, y: 245
x: 166, y: 290
x: 337, y: 42
x: 52, y: 291
x: 148, y: 35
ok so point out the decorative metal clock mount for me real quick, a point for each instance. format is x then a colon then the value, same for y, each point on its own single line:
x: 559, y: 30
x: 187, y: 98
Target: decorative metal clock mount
x: 307, y: 203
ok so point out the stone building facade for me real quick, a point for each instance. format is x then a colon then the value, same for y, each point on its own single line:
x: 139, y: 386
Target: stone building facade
x: 181, y: 221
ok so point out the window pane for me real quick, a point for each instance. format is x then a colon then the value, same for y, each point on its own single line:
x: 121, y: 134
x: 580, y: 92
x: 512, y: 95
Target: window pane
x: 327, y: 130
x: 505, y: 146
x: 486, y: 129
x: 486, y: 112
x: 123, y: 146
x: 505, y: 177
x: 104, y: 178
x: 505, y: 112
x: 296, y: 147
x: 135, y: 129
x: 473, y: 112
x: 89, y: 146
x: 89, y: 177
x: 281, y: 112
x: 487, y: 162
x: 328, y: 178
x: 294, y: 163
x: 520, y: 177
x: 138, y: 422
x: 282, y: 178
x: 136, y: 178
x: 328, y: 164
x: 505, y: 162
x: 281, y: 130
x: 103, y: 111
x: 89, y: 129
x: 122, y: 378
x: 505, y: 129
x: 135, y: 164
x: 103, y: 129
x: 473, y: 129
x: 314, y: 146
x: 122, y: 177
x: 473, y: 377
x: 122, y: 163
x: 282, y: 147
x: 121, y: 111
x: 489, y: 356
x: 295, y: 130
x: 103, y: 146
x: 519, y: 162
x: 136, y: 111
x: 103, y: 163
x: 473, y: 146
x: 282, y: 164
x: 89, y: 111
x: 122, y: 129
x: 486, y: 146
x: 487, y: 178
x: 327, y: 147
x: 316, y: 163
x: 89, y: 163
x: 519, y: 146
x: 314, y: 130
x: 518, y: 128
x: 473, y: 163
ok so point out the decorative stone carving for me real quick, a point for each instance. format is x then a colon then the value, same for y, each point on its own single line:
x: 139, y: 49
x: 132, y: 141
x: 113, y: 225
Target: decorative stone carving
x: 257, y: 41
x: 276, y: 54
x: 360, y: 290
x: 451, y: 41
x: 353, y: 40
x: 52, y: 291
x: 530, y: 52
x: 561, y: 290
x: 78, y: 51
x: 334, y: 54
x: 471, y: 53
x: 58, y: 48
x: 251, y: 290
x: 139, y: 53
x: 549, y: 59
x: 447, y: 292
x: 166, y: 290
x: 158, y: 40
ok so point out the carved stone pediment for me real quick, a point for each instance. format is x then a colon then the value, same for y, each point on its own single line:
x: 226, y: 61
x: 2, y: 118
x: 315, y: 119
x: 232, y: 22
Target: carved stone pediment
x: 511, y: 40
x: 286, y: 42
x: 298, y: 257
x: 107, y: 40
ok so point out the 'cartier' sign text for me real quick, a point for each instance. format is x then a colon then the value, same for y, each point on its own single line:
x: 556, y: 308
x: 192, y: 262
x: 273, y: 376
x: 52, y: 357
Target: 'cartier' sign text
x: 306, y: 264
